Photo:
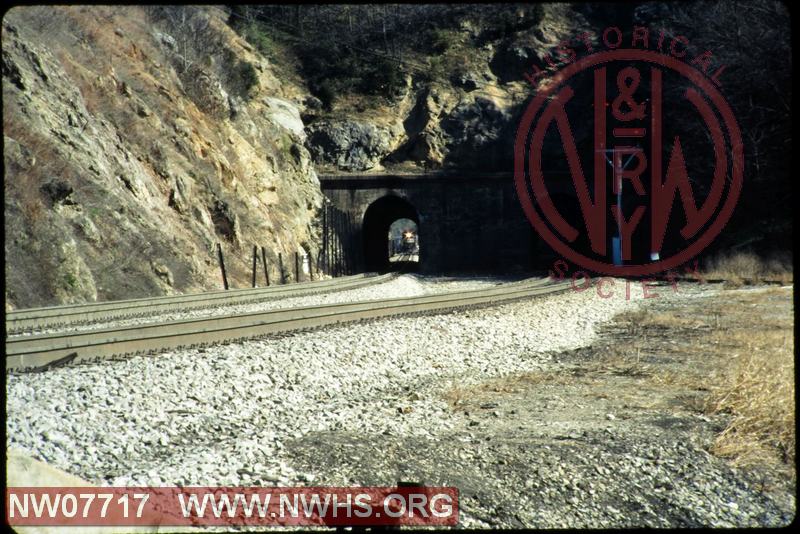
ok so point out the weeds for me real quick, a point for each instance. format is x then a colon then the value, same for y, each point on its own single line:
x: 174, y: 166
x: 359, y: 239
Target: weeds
x: 758, y: 393
x: 745, y: 362
x: 730, y: 357
x: 461, y: 396
x: 739, y: 268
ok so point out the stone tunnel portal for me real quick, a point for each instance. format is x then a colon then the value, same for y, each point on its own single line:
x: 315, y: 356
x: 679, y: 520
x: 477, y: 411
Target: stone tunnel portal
x: 377, y: 220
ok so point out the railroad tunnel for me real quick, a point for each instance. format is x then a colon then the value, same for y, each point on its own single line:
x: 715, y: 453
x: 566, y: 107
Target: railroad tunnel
x: 378, y: 219
x: 462, y: 222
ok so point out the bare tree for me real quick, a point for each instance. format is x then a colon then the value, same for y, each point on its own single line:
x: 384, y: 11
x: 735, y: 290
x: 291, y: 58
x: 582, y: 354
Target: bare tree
x: 188, y: 26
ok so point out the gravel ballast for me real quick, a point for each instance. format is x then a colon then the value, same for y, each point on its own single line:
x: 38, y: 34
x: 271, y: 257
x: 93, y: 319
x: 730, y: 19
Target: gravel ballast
x: 266, y: 411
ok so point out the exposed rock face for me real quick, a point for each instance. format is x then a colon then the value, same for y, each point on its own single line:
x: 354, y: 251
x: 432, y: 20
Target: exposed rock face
x: 351, y: 145
x: 476, y: 128
x: 129, y: 155
x: 426, y: 140
x: 465, y: 120
x: 138, y: 138
x: 513, y: 56
x: 285, y: 115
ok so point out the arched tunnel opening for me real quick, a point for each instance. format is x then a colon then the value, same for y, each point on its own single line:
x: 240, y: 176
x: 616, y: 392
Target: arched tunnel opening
x: 391, y: 235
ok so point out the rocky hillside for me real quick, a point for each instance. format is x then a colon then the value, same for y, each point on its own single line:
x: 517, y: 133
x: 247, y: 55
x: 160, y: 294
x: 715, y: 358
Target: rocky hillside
x: 135, y: 139
x: 459, y: 94
x: 409, y: 87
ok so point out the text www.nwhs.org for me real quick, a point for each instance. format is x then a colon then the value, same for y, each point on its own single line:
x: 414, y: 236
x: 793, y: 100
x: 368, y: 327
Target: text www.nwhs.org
x: 231, y: 506
x: 314, y: 505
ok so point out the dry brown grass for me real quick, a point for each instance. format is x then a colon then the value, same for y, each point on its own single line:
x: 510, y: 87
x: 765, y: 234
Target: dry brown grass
x: 759, y: 393
x: 24, y: 178
x: 738, y: 268
x: 461, y: 396
x: 729, y: 356
x: 752, y: 380
x: 642, y: 319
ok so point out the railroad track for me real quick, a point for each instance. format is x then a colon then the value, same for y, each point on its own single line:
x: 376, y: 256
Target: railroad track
x: 404, y: 257
x: 22, y: 321
x: 41, y: 352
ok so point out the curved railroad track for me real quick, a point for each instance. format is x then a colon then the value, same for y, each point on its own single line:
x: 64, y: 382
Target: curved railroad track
x: 27, y: 320
x: 40, y: 352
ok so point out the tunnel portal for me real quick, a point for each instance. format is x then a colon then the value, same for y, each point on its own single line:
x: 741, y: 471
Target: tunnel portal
x: 375, y: 229
x: 467, y: 222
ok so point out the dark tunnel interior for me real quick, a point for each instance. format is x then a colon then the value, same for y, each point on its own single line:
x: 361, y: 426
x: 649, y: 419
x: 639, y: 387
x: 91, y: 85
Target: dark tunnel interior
x: 377, y: 220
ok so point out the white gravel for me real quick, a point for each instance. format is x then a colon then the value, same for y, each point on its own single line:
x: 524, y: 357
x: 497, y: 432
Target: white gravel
x: 220, y: 416
x: 408, y: 285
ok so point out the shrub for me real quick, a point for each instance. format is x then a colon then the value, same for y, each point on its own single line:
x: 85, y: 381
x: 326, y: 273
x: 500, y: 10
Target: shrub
x: 380, y: 77
x: 258, y: 37
x: 247, y: 76
x: 440, y: 40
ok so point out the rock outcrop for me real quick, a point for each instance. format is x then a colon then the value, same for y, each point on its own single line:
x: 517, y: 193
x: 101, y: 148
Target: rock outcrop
x: 463, y: 116
x: 351, y: 145
x: 136, y: 139
x: 131, y: 149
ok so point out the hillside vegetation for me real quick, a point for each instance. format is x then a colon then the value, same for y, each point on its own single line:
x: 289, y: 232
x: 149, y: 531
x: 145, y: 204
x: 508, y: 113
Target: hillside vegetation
x: 136, y: 139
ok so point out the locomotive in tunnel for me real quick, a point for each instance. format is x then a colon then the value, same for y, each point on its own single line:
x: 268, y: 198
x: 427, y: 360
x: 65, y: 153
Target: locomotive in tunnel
x: 461, y: 221
x: 403, y: 241
x: 408, y: 242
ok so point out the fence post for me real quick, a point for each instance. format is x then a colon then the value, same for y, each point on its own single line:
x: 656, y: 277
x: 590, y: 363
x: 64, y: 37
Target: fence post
x: 351, y: 239
x: 222, y: 266
x: 332, y: 245
x: 323, y: 255
x: 266, y: 270
x: 328, y: 263
x: 280, y: 266
x: 347, y: 244
x: 310, y: 267
x: 296, y: 267
x: 348, y: 256
x: 255, y: 264
x: 339, y: 266
x: 335, y: 251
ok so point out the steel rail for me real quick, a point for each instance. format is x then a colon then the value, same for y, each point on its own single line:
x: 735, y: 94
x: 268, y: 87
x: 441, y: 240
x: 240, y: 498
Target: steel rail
x: 37, y: 352
x: 40, y: 318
